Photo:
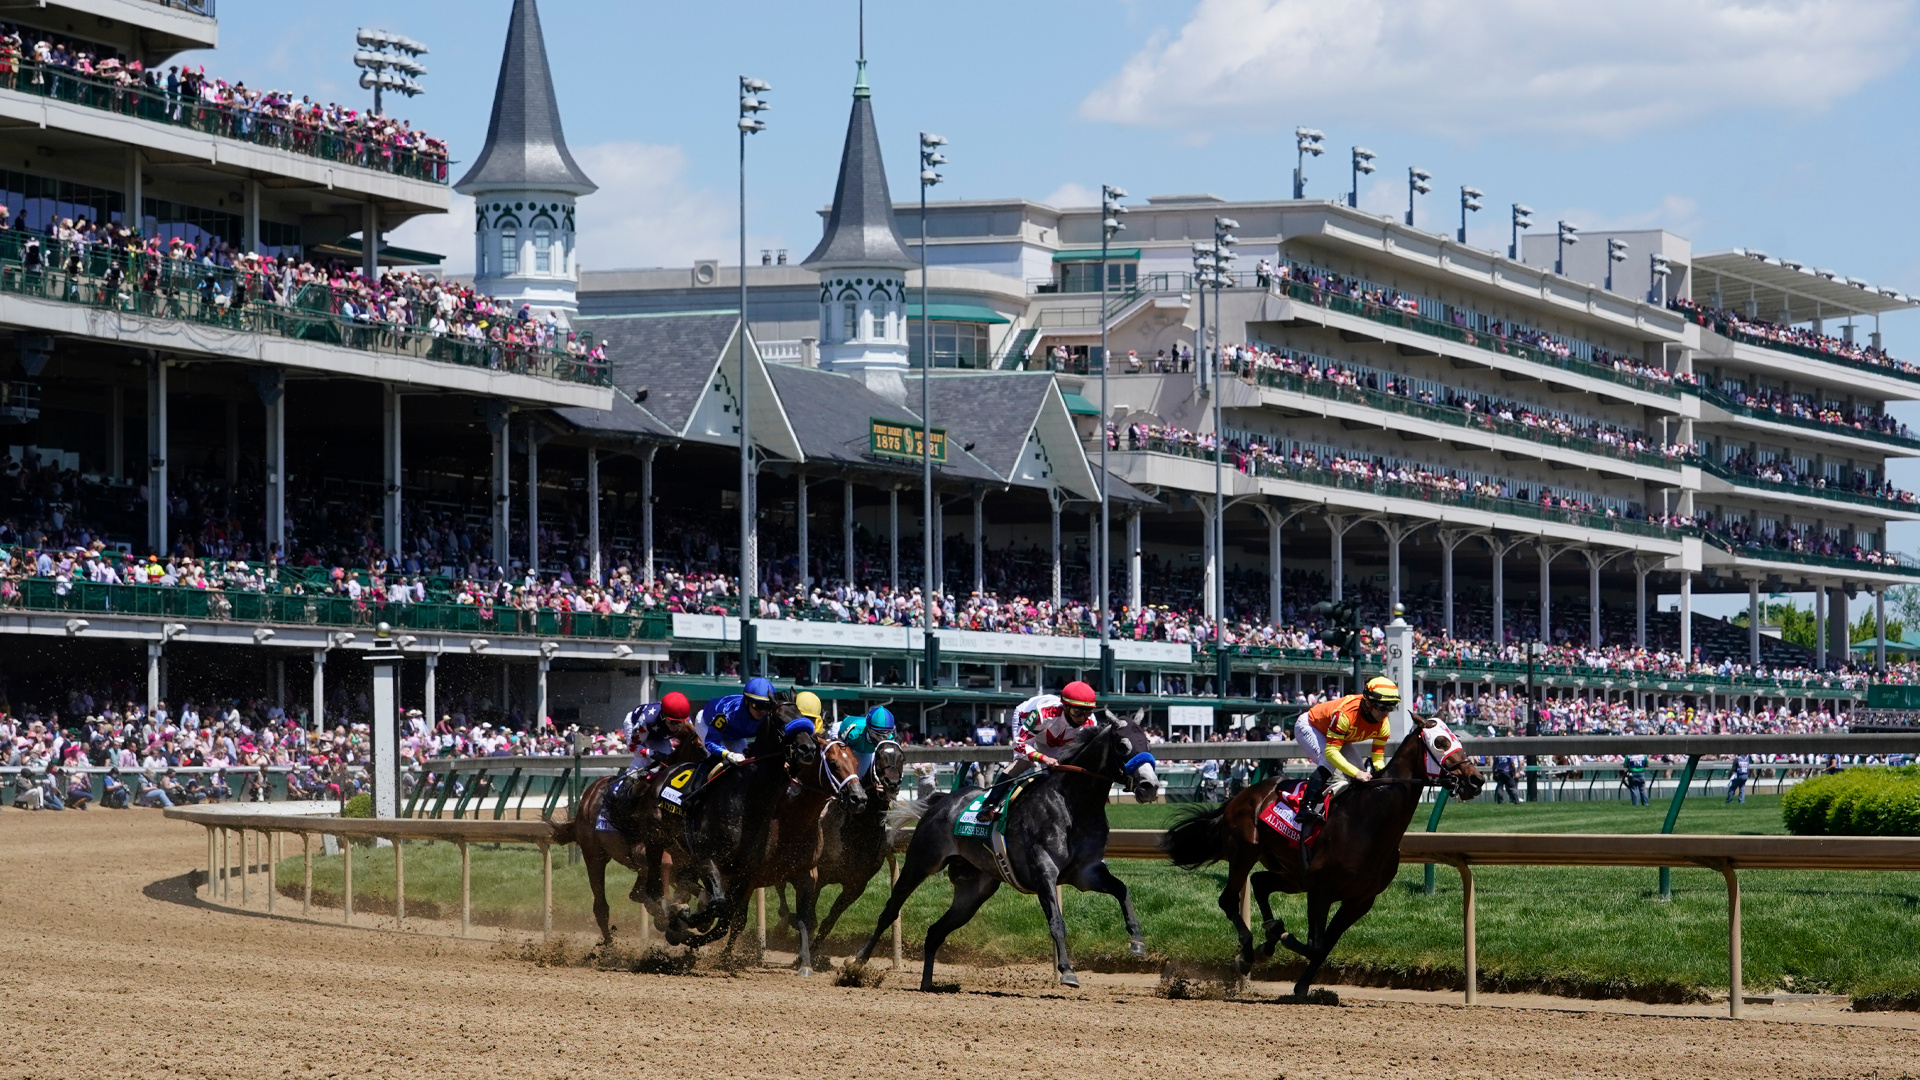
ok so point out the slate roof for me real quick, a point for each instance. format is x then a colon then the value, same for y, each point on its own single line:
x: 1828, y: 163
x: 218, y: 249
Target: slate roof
x: 993, y: 411
x: 860, y: 230
x: 670, y: 356
x: 830, y: 414
x: 624, y: 418
x: 525, y: 146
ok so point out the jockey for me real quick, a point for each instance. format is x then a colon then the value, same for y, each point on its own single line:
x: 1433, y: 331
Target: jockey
x: 864, y: 734
x: 809, y: 705
x: 646, y: 728
x: 734, y: 721
x: 1047, y: 723
x: 1329, y: 728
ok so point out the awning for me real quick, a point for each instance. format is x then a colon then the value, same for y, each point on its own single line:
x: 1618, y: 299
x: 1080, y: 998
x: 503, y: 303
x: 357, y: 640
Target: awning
x: 1093, y: 255
x: 973, y: 313
x: 349, y: 250
x: 1078, y: 405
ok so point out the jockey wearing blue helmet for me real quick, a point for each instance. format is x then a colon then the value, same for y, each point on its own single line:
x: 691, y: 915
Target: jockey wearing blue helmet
x: 864, y: 734
x: 734, y: 721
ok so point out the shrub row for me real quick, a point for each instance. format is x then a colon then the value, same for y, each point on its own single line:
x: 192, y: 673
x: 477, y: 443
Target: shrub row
x: 1857, y: 802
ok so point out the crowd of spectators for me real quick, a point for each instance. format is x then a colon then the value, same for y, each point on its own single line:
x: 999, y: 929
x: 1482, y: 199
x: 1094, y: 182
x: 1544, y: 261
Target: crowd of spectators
x: 1781, y: 470
x: 1735, y: 324
x: 1799, y: 407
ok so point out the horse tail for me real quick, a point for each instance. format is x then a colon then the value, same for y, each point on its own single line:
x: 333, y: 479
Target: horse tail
x: 1198, y: 838
x: 562, y: 832
x: 906, y: 813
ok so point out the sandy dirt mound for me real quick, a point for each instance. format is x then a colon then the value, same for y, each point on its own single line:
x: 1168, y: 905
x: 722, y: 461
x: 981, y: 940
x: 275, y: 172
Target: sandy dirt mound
x: 109, y: 963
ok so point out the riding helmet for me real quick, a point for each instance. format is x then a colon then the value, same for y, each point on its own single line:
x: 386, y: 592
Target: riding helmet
x: 675, y: 706
x: 1078, y: 694
x: 880, y: 719
x: 1382, y: 691
x: 758, y: 689
x: 808, y: 703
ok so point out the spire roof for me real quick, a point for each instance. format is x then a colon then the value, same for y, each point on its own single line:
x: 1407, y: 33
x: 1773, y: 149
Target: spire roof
x: 860, y: 229
x: 525, y: 146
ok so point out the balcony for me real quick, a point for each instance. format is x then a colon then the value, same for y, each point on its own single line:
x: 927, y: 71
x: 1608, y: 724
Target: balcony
x: 1818, y: 427
x: 1869, y: 562
x: 1721, y: 322
x: 250, y: 126
x: 1902, y: 503
x: 177, y: 290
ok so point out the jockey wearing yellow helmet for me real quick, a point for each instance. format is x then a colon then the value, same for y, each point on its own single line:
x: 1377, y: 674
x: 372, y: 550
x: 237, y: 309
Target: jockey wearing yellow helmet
x: 1328, y: 729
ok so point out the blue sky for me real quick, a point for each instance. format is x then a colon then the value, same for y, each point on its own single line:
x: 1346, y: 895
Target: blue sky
x: 1778, y: 124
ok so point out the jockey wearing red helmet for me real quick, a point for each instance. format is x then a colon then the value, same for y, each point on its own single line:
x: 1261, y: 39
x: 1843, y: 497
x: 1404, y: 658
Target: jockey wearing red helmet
x: 649, y: 728
x: 1047, y: 723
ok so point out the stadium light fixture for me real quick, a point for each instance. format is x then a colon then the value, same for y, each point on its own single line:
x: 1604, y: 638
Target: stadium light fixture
x: 930, y: 160
x: 1616, y: 253
x: 1306, y: 141
x: 1362, y: 163
x: 752, y: 103
x: 1469, y: 200
x: 387, y: 62
x: 1568, y: 234
x: 1658, y: 268
x: 1417, y: 184
x: 1522, y: 219
x: 1111, y: 211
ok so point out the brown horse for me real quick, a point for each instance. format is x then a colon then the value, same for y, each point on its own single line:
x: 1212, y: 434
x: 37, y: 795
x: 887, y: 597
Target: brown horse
x: 799, y: 837
x: 1352, y: 862
x: 661, y: 835
x: 855, y: 844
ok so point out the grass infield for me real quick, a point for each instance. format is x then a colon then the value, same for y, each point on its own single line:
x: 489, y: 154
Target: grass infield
x: 1599, y: 932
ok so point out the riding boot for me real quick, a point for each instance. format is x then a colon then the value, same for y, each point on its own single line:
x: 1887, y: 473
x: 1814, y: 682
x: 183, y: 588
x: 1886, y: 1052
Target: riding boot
x: 1310, y: 800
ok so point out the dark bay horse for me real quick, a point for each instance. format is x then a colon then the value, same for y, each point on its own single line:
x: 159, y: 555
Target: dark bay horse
x: 1351, y: 863
x: 798, y: 837
x: 855, y: 844
x: 660, y: 835
x: 1056, y: 834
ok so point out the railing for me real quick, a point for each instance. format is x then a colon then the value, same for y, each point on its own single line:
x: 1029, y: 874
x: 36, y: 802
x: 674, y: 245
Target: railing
x: 1280, y: 379
x: 1898, y: 369
x: 182, y: 291
x: 1818, y: 491
x: 1391, y: 316
x: 245, y: 125
x: 1894, y: 563
x: 81, y: 598
x: 19, y: 402
x: 196, y: 7
x: 1757, y: 412
x: 1277, y: 470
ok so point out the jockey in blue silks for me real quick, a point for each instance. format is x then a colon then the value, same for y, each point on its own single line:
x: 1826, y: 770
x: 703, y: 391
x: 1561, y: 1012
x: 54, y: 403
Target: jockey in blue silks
x: 864, y: 734
x: 734, y: 721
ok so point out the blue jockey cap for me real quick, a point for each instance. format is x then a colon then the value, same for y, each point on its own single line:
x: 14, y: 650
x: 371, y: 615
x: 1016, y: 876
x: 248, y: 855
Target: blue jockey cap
x: 758, y: 689
x: 880, y: 718
x: 795, y: 727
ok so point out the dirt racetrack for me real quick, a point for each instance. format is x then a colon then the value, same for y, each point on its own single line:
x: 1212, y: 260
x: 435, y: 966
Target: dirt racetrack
x: 109, y: 965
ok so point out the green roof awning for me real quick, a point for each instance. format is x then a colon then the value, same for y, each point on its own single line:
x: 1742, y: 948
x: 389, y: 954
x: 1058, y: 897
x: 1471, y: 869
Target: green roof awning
x: 973, y: 313
x: 389, y: 254
x: 1093, y: 255
x: 1078, y: 405
x: 1899, y: 644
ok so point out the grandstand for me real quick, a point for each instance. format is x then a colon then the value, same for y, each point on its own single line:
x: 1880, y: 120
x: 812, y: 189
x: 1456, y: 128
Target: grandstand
x: 288, y: 431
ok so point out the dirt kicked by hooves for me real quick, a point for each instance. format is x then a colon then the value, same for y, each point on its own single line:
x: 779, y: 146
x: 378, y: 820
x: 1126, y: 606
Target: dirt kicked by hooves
x: 113, y: 965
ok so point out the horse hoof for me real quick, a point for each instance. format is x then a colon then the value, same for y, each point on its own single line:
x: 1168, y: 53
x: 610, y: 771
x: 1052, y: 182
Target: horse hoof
x: 1068, y: 978
x: 1138, y: 949
x: 806, y: 972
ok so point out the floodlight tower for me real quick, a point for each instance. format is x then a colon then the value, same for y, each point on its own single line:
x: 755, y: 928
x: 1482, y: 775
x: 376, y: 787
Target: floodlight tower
x: 388, y: 63
x: 1305, y: 141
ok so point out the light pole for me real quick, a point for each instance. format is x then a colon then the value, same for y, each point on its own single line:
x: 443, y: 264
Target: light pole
x: 751, y: 105
x: 1657, y: 270
x: 1417, y: 184
x: 1469, y: 200
x: 1522, y: 219
x: 1535, y: 650
x: 1223, y: 242
x: 1362, y: 163
x: 380, y: 56
x: 1305, y: 141
x: 930, y: 159
x: 1568, y: 234
x: 1110, y: 211
x: 1616, y: 253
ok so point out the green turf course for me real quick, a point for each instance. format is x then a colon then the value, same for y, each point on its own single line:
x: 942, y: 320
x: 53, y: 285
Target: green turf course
x: 1587, y: 931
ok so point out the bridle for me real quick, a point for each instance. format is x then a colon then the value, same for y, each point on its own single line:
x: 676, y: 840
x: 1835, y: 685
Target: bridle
x: 827, y: 781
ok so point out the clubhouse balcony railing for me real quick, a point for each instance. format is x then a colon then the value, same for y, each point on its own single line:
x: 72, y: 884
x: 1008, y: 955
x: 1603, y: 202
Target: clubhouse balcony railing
x: 1900, y: 501
x: 1898, y: 369
x: 194, y: 7
x: 184, y: 291
x: 1822, y: 427
x: 81, y: 598
x: 141, y: 102
x: 1279, y: 470
x: 1879, y: 562
x: 1280, y: 379
x: 1407, y: 320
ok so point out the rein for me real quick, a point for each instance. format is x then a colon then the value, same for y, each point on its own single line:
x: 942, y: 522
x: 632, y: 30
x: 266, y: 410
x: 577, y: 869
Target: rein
x: 833, y: 786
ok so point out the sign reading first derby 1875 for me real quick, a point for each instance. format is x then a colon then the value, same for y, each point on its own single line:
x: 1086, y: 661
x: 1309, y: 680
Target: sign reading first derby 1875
x: 894, y: 439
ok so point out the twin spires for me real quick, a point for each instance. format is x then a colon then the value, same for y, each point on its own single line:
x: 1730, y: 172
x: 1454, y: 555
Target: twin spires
x: 525, y: 145
x: 860, y: 229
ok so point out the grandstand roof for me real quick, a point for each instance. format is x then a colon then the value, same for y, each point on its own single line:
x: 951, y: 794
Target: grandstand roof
x: 860, y: 230
x: 624, y: 418
x: 525, y: 145
x: 831, y: 414
x: 1002, y: 412
x: 1778, y: 284
x: 669, y: 357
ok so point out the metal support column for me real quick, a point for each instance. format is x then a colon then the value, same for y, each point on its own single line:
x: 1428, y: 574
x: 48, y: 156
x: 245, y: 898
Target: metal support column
x: 157, y: 455
x: 980, y: 541
x: 1753, y: 621
x: 390, y: 469
x: 594, y: 568
x: 646, y: 507
x: 1686, y: 617
x: 370, y: 241
x: 800, y: 519
x: 319, y: 713
x: 1337, y: 556
x: 499, y: 425
x: 272, y: 387
x: 846, y: 531
x: 1053, y: 507
x: 154, y: 650
x: 1134, y: 599
x: 533, y: 498
x: 893, y: 539
x: 1275, y: 523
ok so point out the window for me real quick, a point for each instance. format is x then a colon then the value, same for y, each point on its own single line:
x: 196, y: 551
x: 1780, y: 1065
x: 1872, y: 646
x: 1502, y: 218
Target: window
x: 509, y: 252
x: 1079, y: 277
x: 955, y: 344
x: 850, y: 324
x: 481, y: 243
x: 542, y: 251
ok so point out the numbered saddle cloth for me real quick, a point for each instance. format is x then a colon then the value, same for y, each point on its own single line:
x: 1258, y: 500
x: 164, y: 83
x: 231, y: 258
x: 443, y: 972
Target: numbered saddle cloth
x: 994, y: 832
x: 1282, y: 815
x: 681, y: 783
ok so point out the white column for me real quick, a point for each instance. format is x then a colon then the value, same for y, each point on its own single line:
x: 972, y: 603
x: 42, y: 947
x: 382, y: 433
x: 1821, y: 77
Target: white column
x: 1400, y: 670
x: 1394, y: 536
x: 540, y: 709
x: 135, y: 191
x: 594, y: 569
x: 157, y: 456
x: 1880, y: 630
x: 1499, y: 551
x: 1640, y: 571
x: 499, y: 424
x: 1447, y: 543
x: 370, y: 244
x: 646, y: 507
x: 1686, y: 617
x: 1134, y: 599
x: 1753, y: 621
x: 1546, y: 594
x: 1819, y: 626
x: 1593, y: 599
x: 893, y: 538
x: 319, y: 714
x: 1209, y: 562
x: 1053, y: 506
x: 273, y: 398
x: 846, y: 531
x: 431, y: 686
x: 800, y: 517
x: 385, y: 729
x: 533, y: 498
x: 154, y: 650
x: 252, y: 195
x: 1275, y: 601
x: 390, y: 471
x: 1337, y: 556
x: 980, y: 540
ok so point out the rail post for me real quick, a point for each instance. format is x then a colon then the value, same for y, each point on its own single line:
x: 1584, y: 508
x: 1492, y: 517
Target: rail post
x: 399, y: 886
x: 553, y: 795
x: 1470, y: 932
x: 1673, y: 817
x: 760, y: 917
x: 346, y: 874
x: 546, y: 888
x: 446, y: 790
x: 1736, y: 979
x: 893, y: 869
x: 500, y: 805
x: 212, y: 867
x: 245, y: 866
x: 269, y: 836
x: 306, y: 861
x: 466, y: 889
x: 1433, y: 825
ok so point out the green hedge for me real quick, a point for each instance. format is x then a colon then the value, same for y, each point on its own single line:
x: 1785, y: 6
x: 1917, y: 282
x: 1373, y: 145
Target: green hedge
x: 1857, y: 802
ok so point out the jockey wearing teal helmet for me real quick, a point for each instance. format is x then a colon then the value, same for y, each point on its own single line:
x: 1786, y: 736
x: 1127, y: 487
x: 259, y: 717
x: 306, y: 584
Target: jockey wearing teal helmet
x: 864, y: 734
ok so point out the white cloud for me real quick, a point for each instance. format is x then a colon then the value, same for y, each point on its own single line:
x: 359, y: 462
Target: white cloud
x: 1072, y: 194
x: 645, y: 214
x: 1513, y: 66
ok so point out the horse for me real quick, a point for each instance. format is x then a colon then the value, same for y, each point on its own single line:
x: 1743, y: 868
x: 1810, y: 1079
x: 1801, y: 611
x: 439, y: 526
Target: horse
x: 1056, y: 833
x: 660, y: 834
x: 730, y: 824
x: 799, y: 836
x: 1354, y: 859
x: 855, y: 844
